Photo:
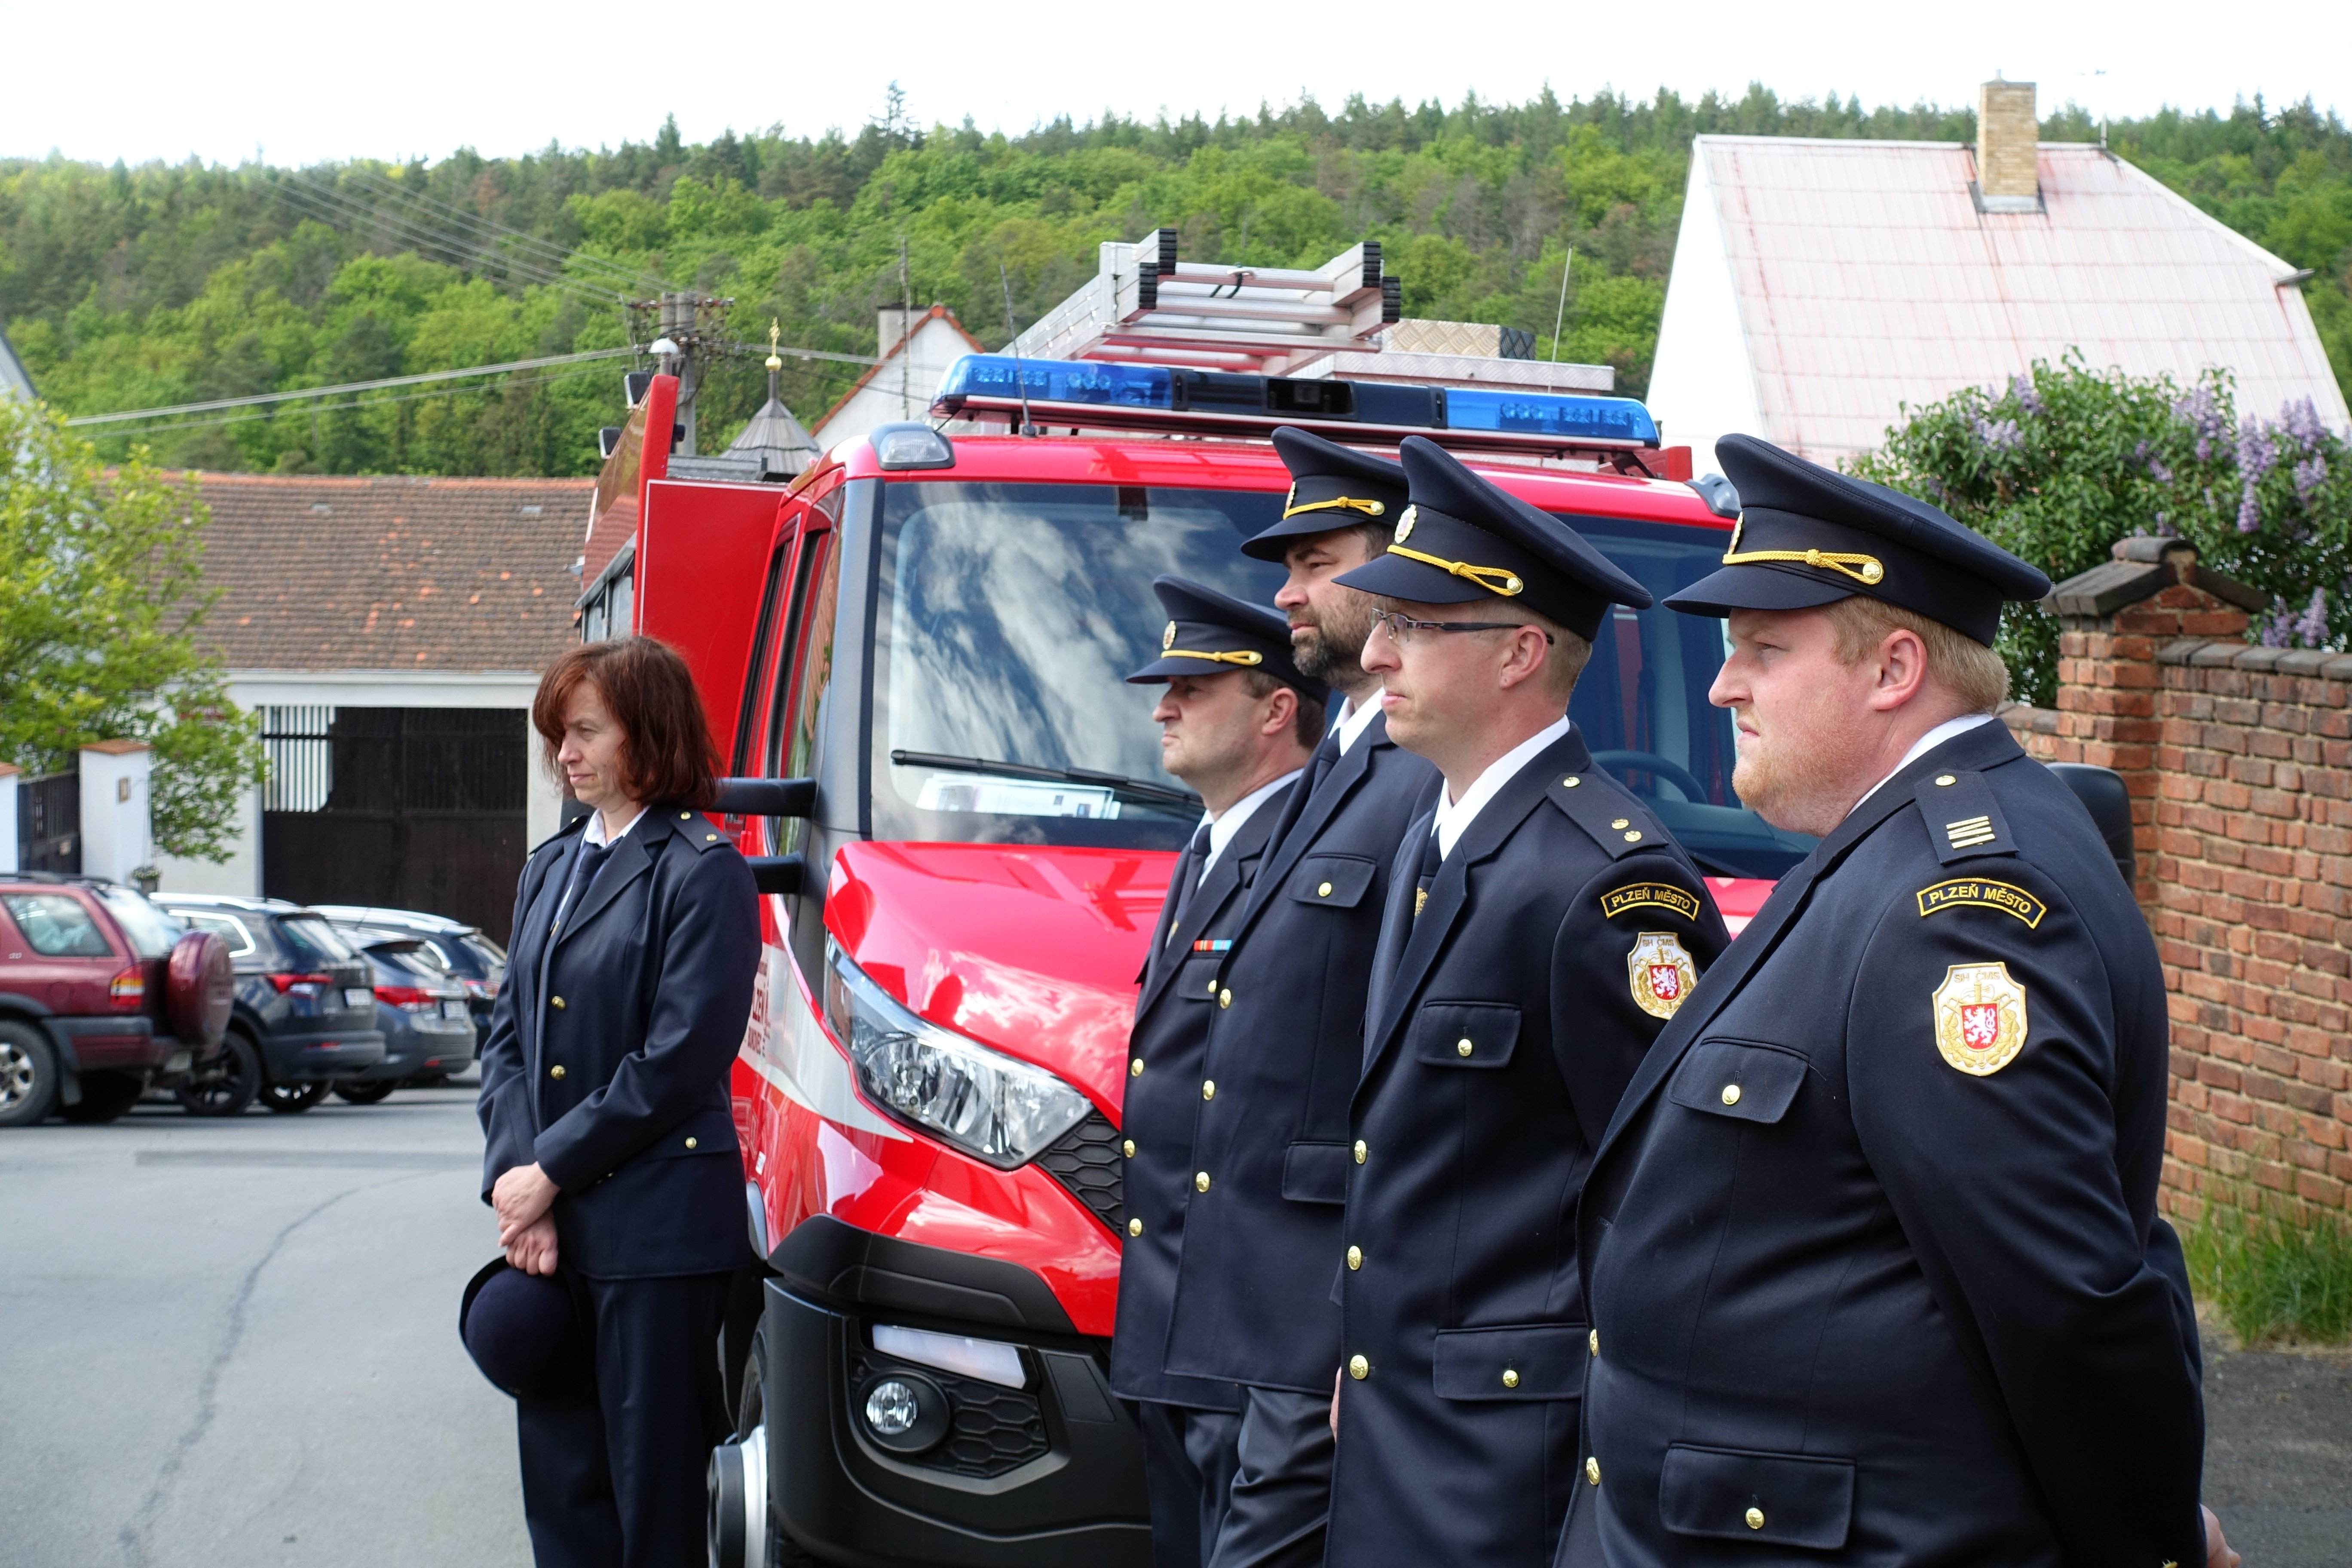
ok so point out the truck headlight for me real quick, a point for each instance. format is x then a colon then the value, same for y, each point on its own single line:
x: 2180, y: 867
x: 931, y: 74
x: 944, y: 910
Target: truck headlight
x: 981, y: 1102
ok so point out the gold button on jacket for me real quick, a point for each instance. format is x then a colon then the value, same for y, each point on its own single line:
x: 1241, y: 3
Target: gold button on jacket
x: 1359, y: 1151
x: 1208, y: 1089
x: 1355, y: 1258
x: 1359, y: 1368
x: 1592, y: 1470
x: 1135, y: 1067
x: 1135, y: 1227
x: 1730, y: 1094
x: 1592, y: 1342
x: 555, y: 1071
x: 690, y: 1144
x: 1128, y: 1148
x: 1200, y: 1181
x: 1754, y: 1517
x: 1510, y: 1377
x: 555, y: 1002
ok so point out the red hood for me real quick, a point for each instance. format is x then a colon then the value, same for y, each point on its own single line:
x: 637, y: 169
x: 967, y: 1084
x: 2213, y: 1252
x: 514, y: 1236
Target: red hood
x: 1031, y: 950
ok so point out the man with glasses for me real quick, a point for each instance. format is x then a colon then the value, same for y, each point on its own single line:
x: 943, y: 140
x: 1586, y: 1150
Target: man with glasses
x: 1253, y: 1280
x: 1238, y: 722
x: 1540, y: 929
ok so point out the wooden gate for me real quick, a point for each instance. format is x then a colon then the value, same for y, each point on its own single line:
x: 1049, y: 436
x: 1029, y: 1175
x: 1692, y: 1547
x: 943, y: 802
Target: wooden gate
x: 48, y: 823
x: 413, y: 808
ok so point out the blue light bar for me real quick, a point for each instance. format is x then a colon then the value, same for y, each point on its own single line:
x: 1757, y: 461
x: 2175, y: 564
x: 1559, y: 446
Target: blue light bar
x: 1569, y: 417
x: 1087, y: 394
x: 1084, y: 381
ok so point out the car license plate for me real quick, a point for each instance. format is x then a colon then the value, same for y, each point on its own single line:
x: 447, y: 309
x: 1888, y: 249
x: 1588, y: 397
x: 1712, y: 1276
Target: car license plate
x: 356, y: 996
x: 453, y: 1009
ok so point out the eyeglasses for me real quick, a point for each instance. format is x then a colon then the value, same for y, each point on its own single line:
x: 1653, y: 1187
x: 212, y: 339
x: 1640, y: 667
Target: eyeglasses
x: 1402, y: 629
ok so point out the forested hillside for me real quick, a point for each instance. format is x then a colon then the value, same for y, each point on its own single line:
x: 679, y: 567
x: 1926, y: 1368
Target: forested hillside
x: 138, y: 287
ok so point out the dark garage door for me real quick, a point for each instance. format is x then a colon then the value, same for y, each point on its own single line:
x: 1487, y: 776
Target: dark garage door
x: 416, y: 808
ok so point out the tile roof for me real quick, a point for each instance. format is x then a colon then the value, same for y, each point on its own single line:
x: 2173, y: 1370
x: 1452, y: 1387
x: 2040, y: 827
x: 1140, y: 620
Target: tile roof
x: 392, y: 573
x: 1866, y: 277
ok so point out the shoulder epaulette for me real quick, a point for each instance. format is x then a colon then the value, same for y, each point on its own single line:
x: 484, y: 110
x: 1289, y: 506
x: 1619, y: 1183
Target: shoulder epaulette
x: 1963, y: 819
x: 1600, y: 806
x: 696, y: 829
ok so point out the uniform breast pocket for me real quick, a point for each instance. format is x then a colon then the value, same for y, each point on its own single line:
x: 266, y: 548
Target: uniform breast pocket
x: 1464, y: 1033
x: 1197, y: 981
x: 1786, y: 1499
x: 1742, y: 1079
x: 1331, y: 882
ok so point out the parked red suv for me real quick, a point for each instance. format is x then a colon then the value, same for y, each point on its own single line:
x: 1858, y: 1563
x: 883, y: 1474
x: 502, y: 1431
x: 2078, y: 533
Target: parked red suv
x: 102, y: 993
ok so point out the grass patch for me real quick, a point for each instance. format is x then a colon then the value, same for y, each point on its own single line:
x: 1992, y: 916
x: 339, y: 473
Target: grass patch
x: 2272, y: 1273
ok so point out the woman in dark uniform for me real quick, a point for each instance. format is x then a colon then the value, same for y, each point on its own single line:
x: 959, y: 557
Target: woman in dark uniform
x: 611, y: 1159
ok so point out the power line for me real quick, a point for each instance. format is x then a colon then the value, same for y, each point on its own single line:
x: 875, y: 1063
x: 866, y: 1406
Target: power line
x: 302, y: 391
x: 344, y: 211
x: 546, y: 250
x: 340, y: 407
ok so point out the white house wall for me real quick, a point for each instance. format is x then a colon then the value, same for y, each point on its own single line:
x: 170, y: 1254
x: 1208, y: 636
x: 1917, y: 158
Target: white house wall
x: 241, y: 872
x: 902, y: 386
x: 1702, y: 384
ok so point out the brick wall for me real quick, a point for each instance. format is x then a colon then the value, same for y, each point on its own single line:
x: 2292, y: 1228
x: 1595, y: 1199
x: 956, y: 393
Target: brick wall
x: 2239, y: 762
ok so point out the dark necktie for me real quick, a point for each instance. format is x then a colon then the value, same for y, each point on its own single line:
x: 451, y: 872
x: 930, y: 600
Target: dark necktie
x: 1188, y: 879
x: 1432, y: 858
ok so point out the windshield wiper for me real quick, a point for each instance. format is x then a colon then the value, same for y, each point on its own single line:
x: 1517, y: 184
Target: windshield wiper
x: 1142, y: 789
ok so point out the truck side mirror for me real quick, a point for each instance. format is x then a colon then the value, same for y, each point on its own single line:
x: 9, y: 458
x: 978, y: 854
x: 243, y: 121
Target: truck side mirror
x: 766, y: 797
x: 2102, y: 793
x: 779, y: 874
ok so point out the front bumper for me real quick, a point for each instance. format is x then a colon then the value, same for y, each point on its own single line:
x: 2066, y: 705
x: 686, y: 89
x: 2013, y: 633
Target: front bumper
x: 304, y: 1058
x: 1049, y: 1475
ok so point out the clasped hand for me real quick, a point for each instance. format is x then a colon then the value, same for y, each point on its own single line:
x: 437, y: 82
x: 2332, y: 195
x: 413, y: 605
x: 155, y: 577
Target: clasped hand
x: 522, y: 1197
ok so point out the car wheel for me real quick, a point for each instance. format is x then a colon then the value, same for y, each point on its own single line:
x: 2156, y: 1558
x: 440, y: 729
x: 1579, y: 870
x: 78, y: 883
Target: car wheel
x: 104, y: 1097
x: 291, y: 1098
x: 743, y: 1531
x: 366, y: 1091
x: 226, y: 1084
x: 28, y: 1075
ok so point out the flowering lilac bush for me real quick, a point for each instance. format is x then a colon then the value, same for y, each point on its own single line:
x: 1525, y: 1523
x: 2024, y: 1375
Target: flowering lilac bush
x: 2059, y: 464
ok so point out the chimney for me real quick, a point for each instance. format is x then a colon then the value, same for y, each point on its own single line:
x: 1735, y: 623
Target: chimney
x: 2009, y: 178
x: 891, y: 326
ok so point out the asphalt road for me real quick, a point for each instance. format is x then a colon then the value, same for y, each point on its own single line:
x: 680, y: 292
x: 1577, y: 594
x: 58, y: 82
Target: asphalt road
x: 233, y: 1343
x: 225, y: 1344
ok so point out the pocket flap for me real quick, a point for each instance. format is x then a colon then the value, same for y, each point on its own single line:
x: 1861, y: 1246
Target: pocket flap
x: 1526, y: 1361
x: 1197, y: 980
x: 710, y: 1131
x: 1316, y: 1173
x: 1790, y: 1500
x: 1735, y: 1079
x: 1464, y: 1033
x: 1339, y: 881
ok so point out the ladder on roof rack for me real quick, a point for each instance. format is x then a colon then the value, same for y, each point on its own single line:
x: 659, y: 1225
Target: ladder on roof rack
x: 1146, y: 306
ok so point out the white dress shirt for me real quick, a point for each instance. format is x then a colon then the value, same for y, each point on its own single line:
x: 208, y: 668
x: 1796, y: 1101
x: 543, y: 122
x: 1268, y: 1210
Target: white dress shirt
x: 1455, y: 816
x: 1355, y: 717
x: 1224, y: 825
x: 594, y: 834
x: 1926, y: 743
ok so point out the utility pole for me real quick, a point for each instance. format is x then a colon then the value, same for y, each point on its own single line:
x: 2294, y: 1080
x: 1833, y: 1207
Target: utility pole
x: 906, y: 333
x: 686, y: 320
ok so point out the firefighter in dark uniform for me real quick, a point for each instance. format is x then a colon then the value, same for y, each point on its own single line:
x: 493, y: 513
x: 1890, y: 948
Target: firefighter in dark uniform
x: 1540, y: 929
x: 1238, y: 723
x: 1253, y: 1283
x: 1870, y: 1247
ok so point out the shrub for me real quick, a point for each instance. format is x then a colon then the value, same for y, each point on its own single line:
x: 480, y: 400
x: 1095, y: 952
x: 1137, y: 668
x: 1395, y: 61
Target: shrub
x: 2059, y: 464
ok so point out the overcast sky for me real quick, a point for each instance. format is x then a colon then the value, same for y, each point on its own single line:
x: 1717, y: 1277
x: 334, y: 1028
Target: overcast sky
x: 302, y: 82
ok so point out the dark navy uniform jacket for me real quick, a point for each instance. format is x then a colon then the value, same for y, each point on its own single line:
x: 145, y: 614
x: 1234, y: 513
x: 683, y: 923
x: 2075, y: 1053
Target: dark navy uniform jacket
x: 1163, y: 1102
x: 1872, y: 1247
x: 1254, y: 1281
x: 611, y: 1043
x: 1508, y: 1017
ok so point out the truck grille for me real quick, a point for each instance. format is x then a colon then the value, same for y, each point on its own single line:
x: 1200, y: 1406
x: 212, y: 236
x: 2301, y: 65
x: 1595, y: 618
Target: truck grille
x: 1086, y: 1160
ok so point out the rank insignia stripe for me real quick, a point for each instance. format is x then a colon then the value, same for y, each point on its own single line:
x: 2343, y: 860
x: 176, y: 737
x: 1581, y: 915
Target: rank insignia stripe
x: 1659, y: 972
x: 1220, y: 946
x: 1978, y: 892
x: 1649, y: 896
x: 1979, y: 1018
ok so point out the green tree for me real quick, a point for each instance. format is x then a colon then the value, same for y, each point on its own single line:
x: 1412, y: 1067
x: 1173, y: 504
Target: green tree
x: 101, y: 597
x: 2060, y: 465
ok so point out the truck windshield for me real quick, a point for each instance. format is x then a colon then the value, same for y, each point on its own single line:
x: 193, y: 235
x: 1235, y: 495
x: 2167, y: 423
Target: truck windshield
x: 1009, y: 615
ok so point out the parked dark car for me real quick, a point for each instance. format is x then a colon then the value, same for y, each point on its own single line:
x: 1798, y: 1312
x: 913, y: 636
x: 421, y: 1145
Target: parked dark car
x: 463, y: 953
x: 428, y: 1034
x: 305, y: 1012
x: 101, y: 995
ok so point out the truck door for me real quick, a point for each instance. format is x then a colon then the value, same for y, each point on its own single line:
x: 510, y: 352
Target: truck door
x: 701, y: 556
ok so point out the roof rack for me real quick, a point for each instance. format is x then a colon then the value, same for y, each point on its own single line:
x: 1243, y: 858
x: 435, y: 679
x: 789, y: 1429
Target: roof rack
x: 1146, y: 306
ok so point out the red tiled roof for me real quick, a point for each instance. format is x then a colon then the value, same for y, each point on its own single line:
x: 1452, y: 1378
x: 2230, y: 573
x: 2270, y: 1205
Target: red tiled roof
x: 391, y: 573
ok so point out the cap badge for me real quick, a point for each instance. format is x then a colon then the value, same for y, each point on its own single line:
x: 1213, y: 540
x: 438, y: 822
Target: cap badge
x: 1979, y: 1018
x: 1661, y: 971
x: 1167, y: 638
x: 1404, y: 524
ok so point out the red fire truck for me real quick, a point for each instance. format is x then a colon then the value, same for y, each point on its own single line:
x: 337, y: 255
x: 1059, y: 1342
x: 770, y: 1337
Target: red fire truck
x: 913, y: 658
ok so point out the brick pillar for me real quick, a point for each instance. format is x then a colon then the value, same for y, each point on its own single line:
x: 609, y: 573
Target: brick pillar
x: 2113, y: 620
